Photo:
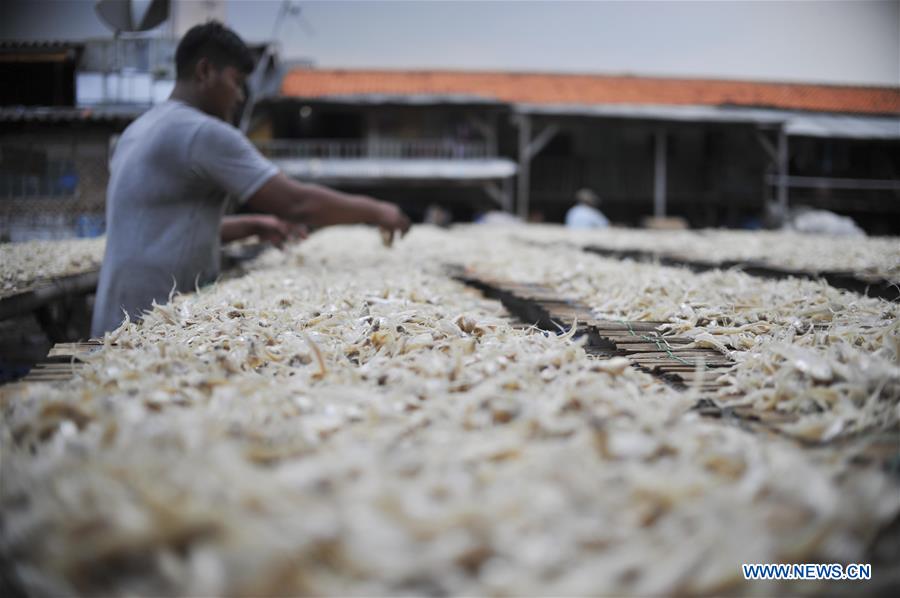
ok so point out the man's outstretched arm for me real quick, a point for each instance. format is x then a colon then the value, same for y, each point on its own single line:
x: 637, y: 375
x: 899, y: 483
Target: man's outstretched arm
x: 318, y: 206
x: 268, y: 228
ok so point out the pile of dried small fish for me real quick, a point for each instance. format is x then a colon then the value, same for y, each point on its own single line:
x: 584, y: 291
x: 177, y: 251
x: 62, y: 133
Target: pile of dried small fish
x: 24, y: 264
x: 346, y: 420
x: 829, y: 357
x: 876, y: 258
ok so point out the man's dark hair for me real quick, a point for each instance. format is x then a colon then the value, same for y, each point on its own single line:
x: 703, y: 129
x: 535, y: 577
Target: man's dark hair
x: 215, y: 42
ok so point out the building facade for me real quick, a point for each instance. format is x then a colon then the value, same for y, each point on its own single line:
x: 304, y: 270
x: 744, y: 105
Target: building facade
x: 717, y: 153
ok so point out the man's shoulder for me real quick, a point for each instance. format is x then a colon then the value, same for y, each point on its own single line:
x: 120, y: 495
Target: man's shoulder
x: 219, y: 129
x: 223, y: 136
x: 175, y: 115
x: 164, y: 121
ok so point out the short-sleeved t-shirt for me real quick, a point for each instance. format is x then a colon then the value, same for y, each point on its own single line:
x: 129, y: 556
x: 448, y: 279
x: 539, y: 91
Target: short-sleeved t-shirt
x: 170, y: 174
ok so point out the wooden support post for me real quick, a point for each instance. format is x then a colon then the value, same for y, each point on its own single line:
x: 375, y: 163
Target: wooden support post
x: 782, y: 172
x: 528, y: 149
x: 524, y: 122
x: 772, y: 154
x: 508, y: 194
x: 659, y: 175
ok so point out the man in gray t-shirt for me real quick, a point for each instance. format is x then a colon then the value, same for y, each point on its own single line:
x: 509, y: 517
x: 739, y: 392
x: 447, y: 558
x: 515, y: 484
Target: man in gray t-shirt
x: 171, y: 172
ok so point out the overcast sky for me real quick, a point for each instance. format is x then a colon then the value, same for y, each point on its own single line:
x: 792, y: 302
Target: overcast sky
x: 853, y: 42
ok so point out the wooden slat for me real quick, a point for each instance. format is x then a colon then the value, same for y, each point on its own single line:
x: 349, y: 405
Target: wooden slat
x: 62, y: 362
x: 626, y: 339
x: 655, y: 351
x: 626, y: 327
x: 635, y: 340
x: 74, y: 349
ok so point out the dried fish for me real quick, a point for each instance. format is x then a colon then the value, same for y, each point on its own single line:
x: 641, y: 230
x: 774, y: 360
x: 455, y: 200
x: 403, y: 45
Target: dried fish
x: 752, y: 320
x: 24, y: 265
x: 387, y: 431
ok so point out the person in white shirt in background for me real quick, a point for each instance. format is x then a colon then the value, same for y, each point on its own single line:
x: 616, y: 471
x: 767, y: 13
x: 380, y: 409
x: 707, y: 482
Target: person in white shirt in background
x: 584, y: 214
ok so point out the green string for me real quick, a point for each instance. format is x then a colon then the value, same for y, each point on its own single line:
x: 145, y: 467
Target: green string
x: 659, y: 341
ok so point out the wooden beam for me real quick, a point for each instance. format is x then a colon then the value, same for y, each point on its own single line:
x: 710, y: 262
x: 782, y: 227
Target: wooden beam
x: 542, y: 139
x: 496, y: 193
x: 767, y: 146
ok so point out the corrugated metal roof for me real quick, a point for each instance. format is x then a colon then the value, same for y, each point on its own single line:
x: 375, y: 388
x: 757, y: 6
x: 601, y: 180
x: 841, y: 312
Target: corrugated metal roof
x: 18, y: 51
x: 397, y: 169
x: 63, y: 115
x: 541, y: 88
x: 38, y: 44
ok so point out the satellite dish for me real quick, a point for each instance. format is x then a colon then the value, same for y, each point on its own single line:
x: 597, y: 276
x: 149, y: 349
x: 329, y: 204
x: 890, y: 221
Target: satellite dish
x: 132, y: 15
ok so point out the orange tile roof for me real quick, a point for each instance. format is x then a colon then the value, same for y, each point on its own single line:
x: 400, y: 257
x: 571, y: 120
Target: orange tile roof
x: 536, y: 88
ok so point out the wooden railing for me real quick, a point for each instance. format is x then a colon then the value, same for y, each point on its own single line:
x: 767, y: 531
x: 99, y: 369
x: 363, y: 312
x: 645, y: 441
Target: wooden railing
x: 445, y: 149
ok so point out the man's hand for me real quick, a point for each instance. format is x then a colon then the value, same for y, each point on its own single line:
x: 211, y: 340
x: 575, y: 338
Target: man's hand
x: 390, y: 219
x: 318, y: 206
x: 272, y: 229
x: 268, y: 228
